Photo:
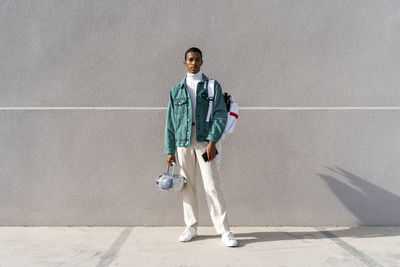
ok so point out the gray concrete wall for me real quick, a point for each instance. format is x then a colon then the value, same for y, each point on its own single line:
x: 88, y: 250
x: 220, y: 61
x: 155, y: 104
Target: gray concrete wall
x: 84, y: 86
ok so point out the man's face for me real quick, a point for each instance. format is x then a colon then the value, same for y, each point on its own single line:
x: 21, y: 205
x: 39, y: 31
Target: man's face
x: 193, y: 62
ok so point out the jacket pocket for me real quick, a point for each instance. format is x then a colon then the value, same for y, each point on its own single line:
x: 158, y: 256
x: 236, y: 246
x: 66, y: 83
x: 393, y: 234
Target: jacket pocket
x: 180, y: 105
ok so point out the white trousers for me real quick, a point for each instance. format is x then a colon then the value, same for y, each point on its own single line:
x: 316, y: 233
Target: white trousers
x: 186, y: 158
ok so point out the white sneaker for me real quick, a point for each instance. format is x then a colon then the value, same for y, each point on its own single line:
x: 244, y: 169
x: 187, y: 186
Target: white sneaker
x: 229, y: 240
x: 189, y: 233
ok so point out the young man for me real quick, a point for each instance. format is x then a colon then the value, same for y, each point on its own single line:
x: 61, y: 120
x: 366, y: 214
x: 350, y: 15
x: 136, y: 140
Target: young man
x: 187, y: 132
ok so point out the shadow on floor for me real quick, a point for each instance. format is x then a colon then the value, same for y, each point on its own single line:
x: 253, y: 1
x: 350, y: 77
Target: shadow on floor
x: 319, y: 233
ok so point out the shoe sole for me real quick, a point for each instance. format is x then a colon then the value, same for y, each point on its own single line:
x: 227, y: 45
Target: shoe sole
x: 189, y: 239
x: 237, y: 244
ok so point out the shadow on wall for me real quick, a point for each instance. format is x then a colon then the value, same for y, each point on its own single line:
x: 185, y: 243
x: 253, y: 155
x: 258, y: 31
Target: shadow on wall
x: 371, y: 204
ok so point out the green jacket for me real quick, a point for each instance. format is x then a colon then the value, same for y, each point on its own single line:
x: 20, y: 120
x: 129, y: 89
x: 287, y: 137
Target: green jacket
x: 178, y: 123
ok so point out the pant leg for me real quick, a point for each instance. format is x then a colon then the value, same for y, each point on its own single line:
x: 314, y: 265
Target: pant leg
x: 186, y: 158
x: 215, y: 199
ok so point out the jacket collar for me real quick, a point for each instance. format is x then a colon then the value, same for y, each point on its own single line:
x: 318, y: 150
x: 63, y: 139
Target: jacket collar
x: 183, y: 82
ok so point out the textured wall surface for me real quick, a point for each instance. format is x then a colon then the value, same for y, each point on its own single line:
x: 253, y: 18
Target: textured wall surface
x: 84, y: 88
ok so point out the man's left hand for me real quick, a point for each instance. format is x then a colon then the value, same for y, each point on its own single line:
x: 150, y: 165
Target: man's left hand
x: 211, y: 150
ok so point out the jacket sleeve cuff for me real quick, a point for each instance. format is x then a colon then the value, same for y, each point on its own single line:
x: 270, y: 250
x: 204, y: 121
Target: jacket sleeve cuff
x: 169, y: 151
x: 213, y: 138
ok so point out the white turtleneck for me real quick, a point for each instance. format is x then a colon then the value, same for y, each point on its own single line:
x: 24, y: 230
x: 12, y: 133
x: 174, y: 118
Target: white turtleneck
x: 191, y: 83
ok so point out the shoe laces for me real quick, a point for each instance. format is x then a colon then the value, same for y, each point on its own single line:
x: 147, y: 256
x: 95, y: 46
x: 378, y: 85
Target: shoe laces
x: 189, y: 230
x: 230, y: 236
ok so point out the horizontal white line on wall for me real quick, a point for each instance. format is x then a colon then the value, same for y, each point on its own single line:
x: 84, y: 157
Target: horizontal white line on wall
x: 316, y: 108
x: 74, y: 108
x: 164, y: 108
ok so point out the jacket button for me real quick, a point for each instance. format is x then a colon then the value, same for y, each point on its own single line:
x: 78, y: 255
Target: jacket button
x: 188, y: 107
x: 187, y: 132
x: 188, y: 119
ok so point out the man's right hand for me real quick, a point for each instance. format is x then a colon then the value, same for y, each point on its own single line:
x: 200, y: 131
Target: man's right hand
x: 170, y: 159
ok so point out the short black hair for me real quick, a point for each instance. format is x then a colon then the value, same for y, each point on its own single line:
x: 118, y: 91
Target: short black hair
x: 194, y: 49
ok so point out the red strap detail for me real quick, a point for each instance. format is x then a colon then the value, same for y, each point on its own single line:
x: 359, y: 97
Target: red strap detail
x: 234, y: 115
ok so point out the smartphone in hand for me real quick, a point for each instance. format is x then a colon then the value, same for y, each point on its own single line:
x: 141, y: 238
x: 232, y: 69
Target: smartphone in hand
x: 205, y: 157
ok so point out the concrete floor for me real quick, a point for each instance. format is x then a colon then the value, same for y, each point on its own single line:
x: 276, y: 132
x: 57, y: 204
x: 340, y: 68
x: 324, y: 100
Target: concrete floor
x: 159, y: 246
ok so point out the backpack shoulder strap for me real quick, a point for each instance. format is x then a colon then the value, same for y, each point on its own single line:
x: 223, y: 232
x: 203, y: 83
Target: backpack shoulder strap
x: 210, y: 99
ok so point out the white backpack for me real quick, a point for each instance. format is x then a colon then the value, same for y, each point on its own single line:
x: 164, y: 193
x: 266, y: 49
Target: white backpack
x: 233, y: 114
